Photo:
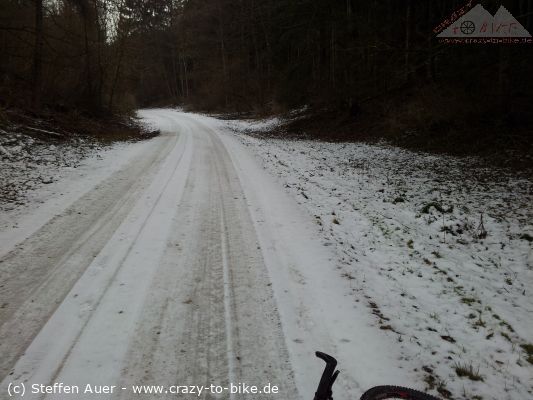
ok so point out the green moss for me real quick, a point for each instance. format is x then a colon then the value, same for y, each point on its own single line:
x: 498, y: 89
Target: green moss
x: 528, y: 348
x: 469, y: 300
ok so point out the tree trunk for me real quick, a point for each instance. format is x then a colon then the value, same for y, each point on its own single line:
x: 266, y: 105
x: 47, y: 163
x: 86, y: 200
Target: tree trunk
x: 407, y: 38
x: 117, y: 72
x: 38, y: 56
x: 223, y: 52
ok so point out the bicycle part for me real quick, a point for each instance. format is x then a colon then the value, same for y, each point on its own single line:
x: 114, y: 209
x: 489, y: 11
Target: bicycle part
x: 323, y: 392
x: 395, y: 392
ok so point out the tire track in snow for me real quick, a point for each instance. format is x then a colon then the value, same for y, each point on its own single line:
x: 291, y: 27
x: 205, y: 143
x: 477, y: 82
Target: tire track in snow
x: 37, y: 275
x: 47, y: 356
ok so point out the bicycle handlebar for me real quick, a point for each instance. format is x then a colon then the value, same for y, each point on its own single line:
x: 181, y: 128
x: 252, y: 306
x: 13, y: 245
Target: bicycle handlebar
x: 323, y: 392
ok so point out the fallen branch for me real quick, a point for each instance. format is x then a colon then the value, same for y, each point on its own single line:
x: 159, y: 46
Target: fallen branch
x: 56, y: 134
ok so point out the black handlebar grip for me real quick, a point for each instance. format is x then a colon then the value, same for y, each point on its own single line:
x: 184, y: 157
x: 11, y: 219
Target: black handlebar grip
x: 329, y: 375
x: 327, y: 358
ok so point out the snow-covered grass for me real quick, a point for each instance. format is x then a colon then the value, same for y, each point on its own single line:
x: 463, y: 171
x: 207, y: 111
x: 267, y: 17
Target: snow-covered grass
x: 438, y: 248
x: 28, y: 163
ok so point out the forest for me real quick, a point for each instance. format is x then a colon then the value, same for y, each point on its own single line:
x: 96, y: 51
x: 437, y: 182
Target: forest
x: 358, y: 68
x: 217, y: 192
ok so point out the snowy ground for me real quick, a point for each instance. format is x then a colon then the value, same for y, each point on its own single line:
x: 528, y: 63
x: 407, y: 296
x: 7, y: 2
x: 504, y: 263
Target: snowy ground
x: 190, y: 249
x: 437, y: 248
x: 28, y: 163
x: 41, y: 178
x: 187, y: 254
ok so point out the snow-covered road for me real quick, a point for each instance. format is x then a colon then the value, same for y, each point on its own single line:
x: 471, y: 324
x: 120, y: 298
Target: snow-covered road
x: 187, y: 265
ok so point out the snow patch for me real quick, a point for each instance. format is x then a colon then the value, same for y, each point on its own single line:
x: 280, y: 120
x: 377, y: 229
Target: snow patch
x: 438, y: 250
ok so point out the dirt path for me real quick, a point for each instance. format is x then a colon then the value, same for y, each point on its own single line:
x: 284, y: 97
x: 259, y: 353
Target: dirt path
x: 156, y: 277
x: 188, y: 265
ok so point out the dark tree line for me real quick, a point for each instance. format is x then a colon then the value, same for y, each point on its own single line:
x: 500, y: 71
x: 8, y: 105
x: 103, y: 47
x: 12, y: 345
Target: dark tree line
x: 257, y: 55
x: 63, y: 55
x: 277, y: 54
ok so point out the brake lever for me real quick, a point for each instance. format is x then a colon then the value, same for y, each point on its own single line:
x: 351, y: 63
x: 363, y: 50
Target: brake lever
x: 324, y: 390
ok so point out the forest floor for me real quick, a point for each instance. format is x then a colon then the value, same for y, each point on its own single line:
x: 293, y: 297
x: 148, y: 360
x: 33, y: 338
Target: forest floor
x: 419, y: 127
x: 37, y: 151
x: 437, y: 248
